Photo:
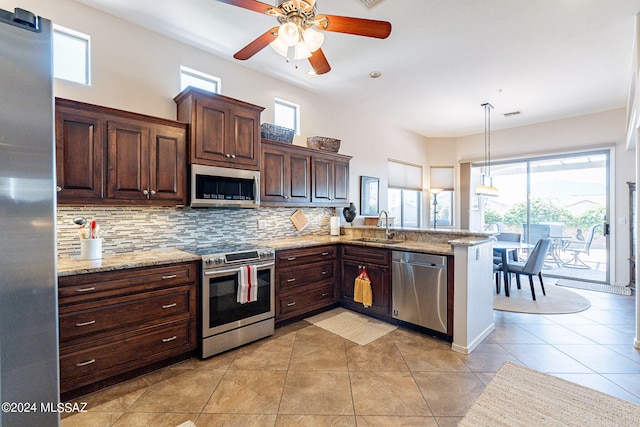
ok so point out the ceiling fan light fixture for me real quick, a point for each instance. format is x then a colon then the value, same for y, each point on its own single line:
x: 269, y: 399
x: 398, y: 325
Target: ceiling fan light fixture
x: 302, y: 52
x: 313, y: 39
x: 288, y: 33
x: 280, y: 47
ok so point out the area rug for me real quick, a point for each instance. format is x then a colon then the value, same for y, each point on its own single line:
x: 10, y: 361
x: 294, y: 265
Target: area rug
x: 352, y: 326
x: 557, y: 300
x: 519, y: 396
x: 598, y: 287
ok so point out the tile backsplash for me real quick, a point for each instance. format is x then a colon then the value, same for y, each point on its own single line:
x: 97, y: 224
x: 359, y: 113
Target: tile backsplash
x: 132, y: 228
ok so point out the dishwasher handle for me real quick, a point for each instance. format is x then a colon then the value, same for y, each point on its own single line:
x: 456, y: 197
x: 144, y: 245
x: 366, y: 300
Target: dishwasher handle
x: 422, y: 264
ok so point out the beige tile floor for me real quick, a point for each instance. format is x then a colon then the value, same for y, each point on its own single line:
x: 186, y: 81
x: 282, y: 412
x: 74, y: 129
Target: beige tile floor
x: 306, y: 376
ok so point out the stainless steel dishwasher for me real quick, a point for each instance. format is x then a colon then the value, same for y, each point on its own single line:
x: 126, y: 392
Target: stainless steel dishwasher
x: 419, y: 289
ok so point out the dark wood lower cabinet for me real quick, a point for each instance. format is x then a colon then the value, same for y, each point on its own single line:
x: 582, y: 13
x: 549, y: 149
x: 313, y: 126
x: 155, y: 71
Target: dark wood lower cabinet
x: 306, y: 280
x: 115, y: 322
x: 377, y: 263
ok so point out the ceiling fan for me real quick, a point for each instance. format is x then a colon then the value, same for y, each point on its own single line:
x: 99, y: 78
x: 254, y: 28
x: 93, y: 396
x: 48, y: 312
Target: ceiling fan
x: 298, y: 30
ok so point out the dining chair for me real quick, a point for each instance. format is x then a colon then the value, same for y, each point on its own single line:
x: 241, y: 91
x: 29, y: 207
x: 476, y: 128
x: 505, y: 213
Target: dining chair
x: 500, y: 257
x: 533, y: 265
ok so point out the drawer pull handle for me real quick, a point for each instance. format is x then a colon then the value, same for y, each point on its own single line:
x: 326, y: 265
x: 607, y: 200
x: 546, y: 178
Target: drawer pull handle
x: 92, y: 288
x: 88, y: 362
x: 292, y: 258
x: 91, y: 322
x: 169, y: 339
x: 173, y: 276
x: 291, y: 280
x: 291, y: 304
x: 324, y: 294
x: 169, y: 305
x: 325, y: 253
x: 324, y: 272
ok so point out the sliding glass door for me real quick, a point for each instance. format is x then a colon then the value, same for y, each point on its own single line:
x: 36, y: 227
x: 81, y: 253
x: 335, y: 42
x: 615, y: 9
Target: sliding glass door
x: 563, y: 198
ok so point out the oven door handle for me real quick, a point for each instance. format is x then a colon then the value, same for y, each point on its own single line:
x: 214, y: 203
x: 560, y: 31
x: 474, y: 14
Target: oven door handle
x: 234, y: 270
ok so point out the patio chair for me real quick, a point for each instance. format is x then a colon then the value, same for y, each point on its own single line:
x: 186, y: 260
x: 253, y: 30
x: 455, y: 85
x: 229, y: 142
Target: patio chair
x: 579, y: 247
x: 533, y: 265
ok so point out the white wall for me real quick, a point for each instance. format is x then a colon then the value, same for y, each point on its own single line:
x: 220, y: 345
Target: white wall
x: 137, y: 70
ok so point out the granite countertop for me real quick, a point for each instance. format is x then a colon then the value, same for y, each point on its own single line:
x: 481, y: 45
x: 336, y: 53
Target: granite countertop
x: 74, y: 265
x: 408, y: 245
x: 68, y: 266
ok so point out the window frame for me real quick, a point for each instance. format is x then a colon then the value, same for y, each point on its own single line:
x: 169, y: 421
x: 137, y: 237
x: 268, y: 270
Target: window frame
x: 201, y: 76
x: 59, y: 30
x: 287, y: 104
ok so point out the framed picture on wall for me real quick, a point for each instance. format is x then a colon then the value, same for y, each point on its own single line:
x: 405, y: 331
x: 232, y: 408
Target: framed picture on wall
x: 369, y: 195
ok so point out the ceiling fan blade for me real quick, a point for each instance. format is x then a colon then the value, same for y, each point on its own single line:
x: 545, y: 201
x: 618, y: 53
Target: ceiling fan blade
x: 319, y: 62
x: 254, y: 5
x: 257, y: 45
x: 355, y: 26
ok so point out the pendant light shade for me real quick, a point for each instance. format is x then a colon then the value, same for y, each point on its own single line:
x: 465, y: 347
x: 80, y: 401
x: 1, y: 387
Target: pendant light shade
x: 486, y: 187
x: 279, y: 46
x: 288, y: 33
x: 312, y: 39
x: 302, y: 52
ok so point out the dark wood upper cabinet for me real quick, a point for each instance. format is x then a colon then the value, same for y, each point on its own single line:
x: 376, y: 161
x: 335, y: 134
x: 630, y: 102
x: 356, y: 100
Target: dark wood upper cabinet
x: 299, y: 176
x: 128, y: 161
x: 330, y: 180
x: 108, y: 156
x: 224, y: 131
x: 285, y: 177
x: 78, y: 154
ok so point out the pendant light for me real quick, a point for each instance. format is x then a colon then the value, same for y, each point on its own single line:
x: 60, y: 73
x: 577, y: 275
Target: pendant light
x: 486, y: 187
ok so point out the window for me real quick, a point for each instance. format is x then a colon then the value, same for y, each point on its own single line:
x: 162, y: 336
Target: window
x: 190, y: 77
x: 70, y: 55
x: 405, y: 193
x: 442, y: 211
x: 287, y: 114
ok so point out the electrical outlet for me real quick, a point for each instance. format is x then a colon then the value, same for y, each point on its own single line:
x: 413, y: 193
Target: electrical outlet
x: 262, y: 224
x: 622, y: 220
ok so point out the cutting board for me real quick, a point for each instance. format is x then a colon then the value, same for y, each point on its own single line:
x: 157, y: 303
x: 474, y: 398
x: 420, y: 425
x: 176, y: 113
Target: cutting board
x: 299, y: 220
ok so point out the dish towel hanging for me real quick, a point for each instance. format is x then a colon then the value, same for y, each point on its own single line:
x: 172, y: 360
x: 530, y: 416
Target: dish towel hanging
x: 362, y: 289
x: 248, y: 286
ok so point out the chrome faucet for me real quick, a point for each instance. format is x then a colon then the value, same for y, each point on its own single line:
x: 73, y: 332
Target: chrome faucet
x: 387, y: 233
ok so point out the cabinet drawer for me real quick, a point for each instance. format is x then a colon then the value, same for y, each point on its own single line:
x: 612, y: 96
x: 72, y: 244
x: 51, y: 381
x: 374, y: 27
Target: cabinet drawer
x: 85, y: 287
x: 293, y: 257
x: 131, y: 348
x: 366, y: 255
x: 119, y: 312
x: 304, y: 275
x: 305, y: 301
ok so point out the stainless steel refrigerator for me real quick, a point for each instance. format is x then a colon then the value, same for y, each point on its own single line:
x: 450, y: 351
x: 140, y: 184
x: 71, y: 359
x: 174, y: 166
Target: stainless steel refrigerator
x: 29, y: 382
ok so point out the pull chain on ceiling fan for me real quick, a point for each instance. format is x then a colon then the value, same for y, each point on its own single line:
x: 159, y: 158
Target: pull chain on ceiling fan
x: 301, y: 29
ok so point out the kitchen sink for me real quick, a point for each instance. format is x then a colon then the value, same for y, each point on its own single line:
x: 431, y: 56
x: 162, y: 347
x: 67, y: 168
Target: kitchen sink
x: 374, y: 240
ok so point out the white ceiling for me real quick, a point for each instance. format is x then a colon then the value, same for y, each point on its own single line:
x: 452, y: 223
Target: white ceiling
x: 549, y: 58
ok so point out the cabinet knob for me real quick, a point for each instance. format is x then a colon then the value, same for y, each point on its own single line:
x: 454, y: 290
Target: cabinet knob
x: 233, y: 156
x: 153, y: 192
x: 145, y: 192
x: 58, y: 188
x: 227, y: 155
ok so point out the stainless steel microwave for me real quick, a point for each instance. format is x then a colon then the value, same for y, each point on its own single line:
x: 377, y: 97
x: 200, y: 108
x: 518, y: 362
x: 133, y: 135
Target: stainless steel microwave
x: 213, y: 186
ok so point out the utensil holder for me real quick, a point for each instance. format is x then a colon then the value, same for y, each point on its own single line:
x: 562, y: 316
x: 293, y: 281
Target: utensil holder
x: 91, y: 248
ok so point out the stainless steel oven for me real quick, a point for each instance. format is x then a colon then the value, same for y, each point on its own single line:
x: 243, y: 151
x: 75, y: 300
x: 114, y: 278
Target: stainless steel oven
x: 227, y: 323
